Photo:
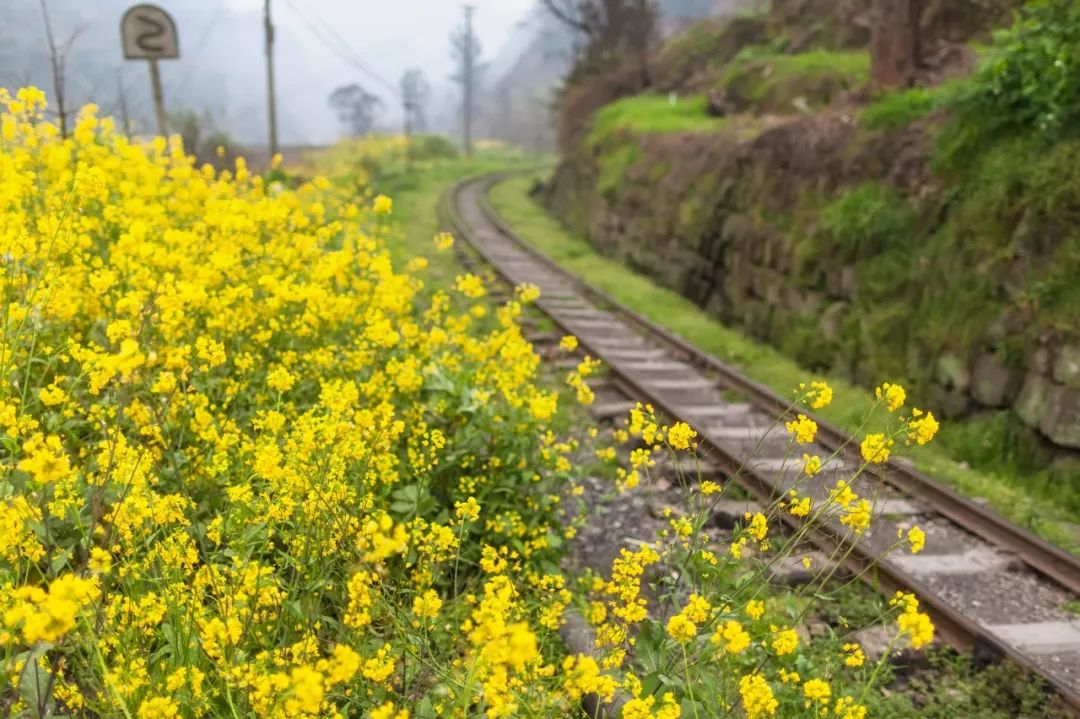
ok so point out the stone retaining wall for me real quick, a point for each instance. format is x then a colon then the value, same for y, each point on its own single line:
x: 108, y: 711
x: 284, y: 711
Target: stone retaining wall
x: 713, y: 228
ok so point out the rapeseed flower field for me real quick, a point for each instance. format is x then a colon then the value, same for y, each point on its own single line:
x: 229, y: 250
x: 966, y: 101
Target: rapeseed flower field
x: 250, y: 468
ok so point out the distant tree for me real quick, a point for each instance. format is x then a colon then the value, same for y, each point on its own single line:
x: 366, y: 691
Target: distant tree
x: 58, y: 59
x: 356, y: 108
x: 895, y: 51
x: 612, y: 29
x: 203, y: 138
x: 415, y: 93
x: 465, y: 49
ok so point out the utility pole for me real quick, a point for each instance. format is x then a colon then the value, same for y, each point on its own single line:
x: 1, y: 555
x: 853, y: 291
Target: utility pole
x: 414, y: 94
x: 271, y: 99
x: 468, y: 73
x: 125, y: 114
x: 408, y: 100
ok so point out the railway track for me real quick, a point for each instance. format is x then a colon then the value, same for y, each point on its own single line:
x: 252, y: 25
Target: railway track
x: 992, y: 587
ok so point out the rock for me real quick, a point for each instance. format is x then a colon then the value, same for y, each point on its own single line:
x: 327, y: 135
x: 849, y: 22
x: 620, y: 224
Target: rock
x: 1066, y: 464
x: 659, y: 509
x: 992, y: 383
x: 737, y: 228
x: 1039, y: 360
x: 718, y: 104
x: 790, y: 572
x: 1061, y: 416
x: 1030, y: 403
x: 831, y: 323
x: 952, y: 372
x: 1067, y: 365
x: 849, y: 278
x: 875, y: 642
x: 729, y: 512
x: 769, y: 285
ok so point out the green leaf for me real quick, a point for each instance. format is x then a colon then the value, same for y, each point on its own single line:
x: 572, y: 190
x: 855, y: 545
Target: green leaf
x: 650, y: 648
x: 60, y: 561
x: 34, y: 683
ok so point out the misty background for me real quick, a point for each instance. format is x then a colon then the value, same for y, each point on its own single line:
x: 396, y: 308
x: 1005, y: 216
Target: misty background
x: 320, y: 45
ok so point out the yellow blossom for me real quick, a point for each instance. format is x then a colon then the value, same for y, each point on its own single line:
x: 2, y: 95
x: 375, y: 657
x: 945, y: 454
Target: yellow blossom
x: 875, y: 448
x: 804, y: 429
x: 893, y: 395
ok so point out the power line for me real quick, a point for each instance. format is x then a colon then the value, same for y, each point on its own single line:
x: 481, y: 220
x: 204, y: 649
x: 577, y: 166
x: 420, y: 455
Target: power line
x: 340, y: 47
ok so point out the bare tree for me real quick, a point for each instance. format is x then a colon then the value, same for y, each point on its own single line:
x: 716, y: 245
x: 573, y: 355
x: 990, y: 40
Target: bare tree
x: 895, y: 49
x: 465, y: 49
x: 612, y: 29
x: 58, y: 58
x: 356, y: 108
x: 415, y: 94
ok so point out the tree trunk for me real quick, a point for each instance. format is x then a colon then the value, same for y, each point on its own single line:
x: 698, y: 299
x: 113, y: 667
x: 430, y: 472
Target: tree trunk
x: 895, y: 49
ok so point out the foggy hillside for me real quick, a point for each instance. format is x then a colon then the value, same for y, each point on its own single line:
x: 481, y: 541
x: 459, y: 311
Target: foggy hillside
x: 519, y: 95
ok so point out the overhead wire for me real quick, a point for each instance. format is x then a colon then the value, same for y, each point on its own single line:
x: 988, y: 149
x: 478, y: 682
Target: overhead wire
x: 341, y: 47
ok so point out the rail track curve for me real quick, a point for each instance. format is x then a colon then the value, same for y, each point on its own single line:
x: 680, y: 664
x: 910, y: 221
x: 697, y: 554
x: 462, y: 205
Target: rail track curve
x: 991, y: 586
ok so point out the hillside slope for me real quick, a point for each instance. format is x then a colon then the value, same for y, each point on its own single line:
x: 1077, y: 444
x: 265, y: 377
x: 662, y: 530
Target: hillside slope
x: 868, y: 237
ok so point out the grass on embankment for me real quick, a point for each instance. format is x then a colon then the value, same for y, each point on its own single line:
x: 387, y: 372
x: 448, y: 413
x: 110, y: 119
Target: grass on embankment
x: 1007, y: 493
x: 416, y: 196
x: 653, y: 113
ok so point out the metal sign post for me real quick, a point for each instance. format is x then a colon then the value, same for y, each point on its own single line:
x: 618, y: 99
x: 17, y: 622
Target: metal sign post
x: 149, y: 33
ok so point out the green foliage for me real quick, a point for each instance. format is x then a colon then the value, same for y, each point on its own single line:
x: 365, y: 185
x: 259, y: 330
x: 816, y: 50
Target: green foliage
x: 652, y: 113
x: 707, y: 43
x: 433, y: 147
x: 902, y: 107
x: 1029, y: 83
x: 613, y: 163
x: 866, y: 220
x: 762, y: 78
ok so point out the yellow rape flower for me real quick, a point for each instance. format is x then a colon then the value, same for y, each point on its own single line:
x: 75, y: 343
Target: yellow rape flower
x: 817, y: 692
x: 757, y: 696
x: 784, y: 641
x: 819, y: 395
x: 875, y: 448
x: 922, y: 428
x: 917, y: 539
x: 680, y: 436
x: 804, y: 429
x: 853, y: 655
x: 681, y: 629
x: 383, y: 205
x: 467, y: 511
x: 731, y: 637
x: 158, y: 708
x: 427, y: 605
x: 893, y: 395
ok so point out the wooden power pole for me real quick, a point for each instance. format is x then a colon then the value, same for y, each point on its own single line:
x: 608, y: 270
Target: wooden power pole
x: 270, y: 96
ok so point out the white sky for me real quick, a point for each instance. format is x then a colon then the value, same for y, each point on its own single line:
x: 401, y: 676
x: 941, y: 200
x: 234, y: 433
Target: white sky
x: 390, y: 38
x: 221, y: 69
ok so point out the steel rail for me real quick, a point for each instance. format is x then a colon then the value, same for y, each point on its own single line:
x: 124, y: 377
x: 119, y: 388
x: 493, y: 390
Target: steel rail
x: 1048, y: 559
x: 960, y: 631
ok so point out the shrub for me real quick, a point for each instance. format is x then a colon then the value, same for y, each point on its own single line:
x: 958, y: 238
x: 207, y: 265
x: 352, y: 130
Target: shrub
x: 1028, y: 83
x: 901, y: 107
x: 865, y: 220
